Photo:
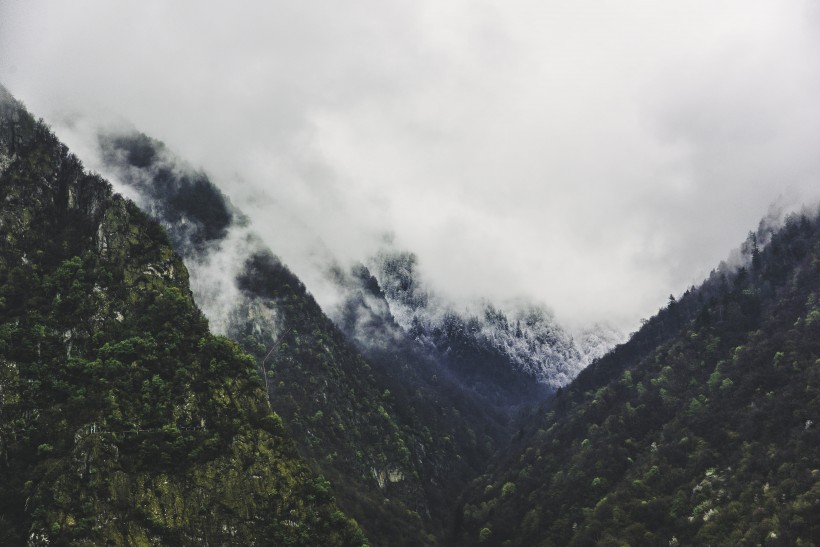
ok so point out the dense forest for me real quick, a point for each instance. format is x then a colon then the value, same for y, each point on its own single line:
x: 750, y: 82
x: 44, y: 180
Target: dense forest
x: 701, y: 430
x: 122, y: 419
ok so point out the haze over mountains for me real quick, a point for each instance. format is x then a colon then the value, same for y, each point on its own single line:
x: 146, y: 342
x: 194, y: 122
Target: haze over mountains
x: 216, y: 239
x: 593, y: 160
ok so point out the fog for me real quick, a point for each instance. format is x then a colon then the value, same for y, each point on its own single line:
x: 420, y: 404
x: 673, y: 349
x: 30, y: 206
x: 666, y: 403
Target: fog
x: 594, y: 157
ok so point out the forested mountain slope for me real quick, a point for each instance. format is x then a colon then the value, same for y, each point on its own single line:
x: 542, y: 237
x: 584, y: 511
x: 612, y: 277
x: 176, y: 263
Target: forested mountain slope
x: 122, y: 419
x: 701, y: 430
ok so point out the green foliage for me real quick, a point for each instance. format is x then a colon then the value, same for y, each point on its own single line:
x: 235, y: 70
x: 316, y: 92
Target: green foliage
x: 122, y: 419
x: 699, y: 431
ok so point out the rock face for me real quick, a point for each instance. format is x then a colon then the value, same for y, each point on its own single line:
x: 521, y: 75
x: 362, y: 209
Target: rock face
x: 122, y: 419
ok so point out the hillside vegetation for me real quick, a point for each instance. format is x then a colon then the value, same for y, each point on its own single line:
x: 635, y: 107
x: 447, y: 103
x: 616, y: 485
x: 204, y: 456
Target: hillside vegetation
x: 122, y: 419
x: 701, y: 430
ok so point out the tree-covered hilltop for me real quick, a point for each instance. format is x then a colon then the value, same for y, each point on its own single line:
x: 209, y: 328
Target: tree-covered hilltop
x: 701, y: 430
x: 122, y: 419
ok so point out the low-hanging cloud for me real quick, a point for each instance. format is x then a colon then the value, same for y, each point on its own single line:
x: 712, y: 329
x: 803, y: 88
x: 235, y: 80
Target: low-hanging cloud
x: 595, y: 157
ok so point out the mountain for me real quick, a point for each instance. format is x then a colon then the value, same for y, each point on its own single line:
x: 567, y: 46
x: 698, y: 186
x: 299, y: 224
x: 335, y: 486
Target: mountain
x: 453, y: 351
x: 410, y: 409
x: 700, y: 430
x: 521, y: 337
x: 123, y: 420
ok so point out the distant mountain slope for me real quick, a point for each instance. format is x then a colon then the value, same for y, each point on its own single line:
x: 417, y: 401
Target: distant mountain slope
x: 701, y: 430
x: 512, y: 354
x: 526, y: 335
x: 122, y: 419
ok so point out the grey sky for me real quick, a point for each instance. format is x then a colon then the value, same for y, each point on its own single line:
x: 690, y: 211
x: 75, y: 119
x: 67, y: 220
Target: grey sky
x: 595, y: 156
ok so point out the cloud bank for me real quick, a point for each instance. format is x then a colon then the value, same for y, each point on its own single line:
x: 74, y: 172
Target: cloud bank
x: 592, y: 156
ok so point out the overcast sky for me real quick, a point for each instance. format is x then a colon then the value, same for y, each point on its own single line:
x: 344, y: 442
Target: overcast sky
x: 595, y: 156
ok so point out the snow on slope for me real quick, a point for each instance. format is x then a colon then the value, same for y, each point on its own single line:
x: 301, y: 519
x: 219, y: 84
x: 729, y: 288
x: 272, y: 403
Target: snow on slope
x: 526, y: 333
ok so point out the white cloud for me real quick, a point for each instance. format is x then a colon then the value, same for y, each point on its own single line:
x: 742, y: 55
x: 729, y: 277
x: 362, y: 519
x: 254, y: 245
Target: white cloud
x: 594, y: 156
